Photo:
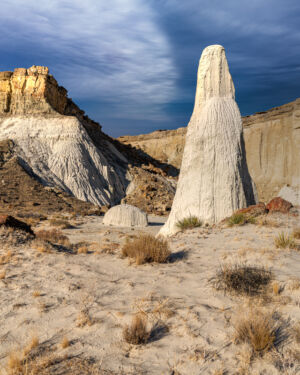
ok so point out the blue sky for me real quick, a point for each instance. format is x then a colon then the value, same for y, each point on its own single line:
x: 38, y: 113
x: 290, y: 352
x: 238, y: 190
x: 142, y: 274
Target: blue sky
x: 132, y: 64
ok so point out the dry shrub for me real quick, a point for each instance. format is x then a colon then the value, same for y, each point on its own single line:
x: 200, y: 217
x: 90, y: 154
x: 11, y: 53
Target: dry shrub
x: 283, y: 241
x: 2, y: 275
x: 65, y: 343
x: 6, y: 258
x: 54, y: 236
x: 236, y: 219
x: 276, y: 288
x: 137, y: 333
x: 297, y: 332
x: 82, y: 250
x: 241, y: 279
x: 266, y: 222
x: 296, y: 233
x: 189, y: 223
x: 12, y: 236
x: 36, y: 293
x: 257, y: 328
x: 146, y: 248
x: 62, y: 223
x: 109, y: 248
x: 33, y: 343
x: 37, y: 359
x: 22, y: 361
x: 42, y: 246
x: 83, y: 318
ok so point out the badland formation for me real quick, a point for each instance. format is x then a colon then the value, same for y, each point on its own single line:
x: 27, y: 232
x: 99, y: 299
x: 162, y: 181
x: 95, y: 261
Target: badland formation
x: 175, y: 252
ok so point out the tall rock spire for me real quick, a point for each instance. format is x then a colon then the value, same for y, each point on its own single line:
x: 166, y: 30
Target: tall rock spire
x: 214, y: 180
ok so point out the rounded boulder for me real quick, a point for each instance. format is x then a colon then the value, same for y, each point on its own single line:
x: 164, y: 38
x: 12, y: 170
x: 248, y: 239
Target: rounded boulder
x: 125, y: 215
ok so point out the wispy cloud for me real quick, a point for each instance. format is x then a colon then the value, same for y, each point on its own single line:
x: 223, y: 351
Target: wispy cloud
x: 111, y: 51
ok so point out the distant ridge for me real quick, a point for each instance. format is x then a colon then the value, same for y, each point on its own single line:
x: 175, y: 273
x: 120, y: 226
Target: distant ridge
x: 272, y: 140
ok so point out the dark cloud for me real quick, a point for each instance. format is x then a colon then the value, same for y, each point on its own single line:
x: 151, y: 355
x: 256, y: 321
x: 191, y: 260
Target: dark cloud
x: 132, y: 64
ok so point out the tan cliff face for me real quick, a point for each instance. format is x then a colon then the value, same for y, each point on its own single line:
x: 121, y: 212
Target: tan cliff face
x: 34, y: 91
x: 30, y: 91
x: 272, y: 141
x: 65, y: 149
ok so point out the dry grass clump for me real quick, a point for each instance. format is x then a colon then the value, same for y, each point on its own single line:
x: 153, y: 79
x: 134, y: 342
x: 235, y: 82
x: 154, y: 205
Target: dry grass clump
x: 297, y: 332
x: 236, y: 219
x: 241, y: 279
x: 283, y: 241
x: 42, y: 246
x: 266, y: 222
x: 257, y: 328
x: 137, y: 333
x: 22, y: 361
x: 189, y: 223
x: 54, y: 236
x: 65, y: 343
x: 296, y: 233
x: 2, y: 275
x: 61, y: 223
x: 82, y: 250
x: 38, y: 359
x: 6, y: 258
x: 146, y: 248
x: 240, y: 219
x: 83, y: 319
x: 12, y: 236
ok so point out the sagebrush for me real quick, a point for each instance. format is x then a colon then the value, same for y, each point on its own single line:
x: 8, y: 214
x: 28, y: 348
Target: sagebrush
x: 241, y: 279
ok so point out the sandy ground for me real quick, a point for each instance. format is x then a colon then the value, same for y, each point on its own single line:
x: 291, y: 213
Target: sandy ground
x: 45, y: 294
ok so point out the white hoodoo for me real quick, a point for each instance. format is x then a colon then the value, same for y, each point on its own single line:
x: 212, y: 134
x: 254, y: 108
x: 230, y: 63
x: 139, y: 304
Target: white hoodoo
x: 125, y: 215
x: 214, y: 180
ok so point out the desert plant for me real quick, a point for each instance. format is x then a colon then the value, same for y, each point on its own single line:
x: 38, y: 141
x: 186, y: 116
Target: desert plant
x: 82, y: 250
x: 296, y: 233
x: 236, y: 219
x: 251, y: 220
x: 38, y: 359
x: 65, y: 343
x: 2, y: 275
x: 267, y: 222
x: 62, y: 223
x: 283, y: 241
x: 84, y: 318
x: 189, y: 223
x: 147, y: 248
x: 136, y: 333
x: 257, y: 328
x: 53, y: 235
x: 241, y: 279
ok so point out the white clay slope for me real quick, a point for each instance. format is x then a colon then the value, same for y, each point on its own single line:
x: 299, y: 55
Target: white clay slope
x: 60, y: 152
x: 214, y: 180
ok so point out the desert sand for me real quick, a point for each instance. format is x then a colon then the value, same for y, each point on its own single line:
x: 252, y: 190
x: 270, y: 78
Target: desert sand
x: 87, y: 297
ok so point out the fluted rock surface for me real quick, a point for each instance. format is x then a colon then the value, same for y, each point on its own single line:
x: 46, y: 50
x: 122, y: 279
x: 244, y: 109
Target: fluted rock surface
x: 125, y: 215
x: 214, y: 180
x: 55, y: 141
x: 60, y: 152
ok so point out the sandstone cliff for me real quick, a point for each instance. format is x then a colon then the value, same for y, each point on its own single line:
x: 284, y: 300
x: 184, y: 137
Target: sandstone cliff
x: 59, y: 145
x: 272, y: 141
